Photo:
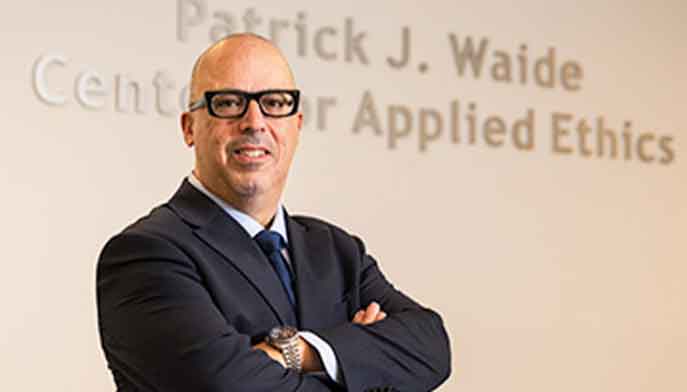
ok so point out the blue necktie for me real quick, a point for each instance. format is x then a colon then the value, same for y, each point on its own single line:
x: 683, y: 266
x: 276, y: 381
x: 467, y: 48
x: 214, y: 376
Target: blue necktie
x: 271, y: 244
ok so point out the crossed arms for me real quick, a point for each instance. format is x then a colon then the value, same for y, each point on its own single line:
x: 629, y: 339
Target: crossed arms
x: 162, y: 329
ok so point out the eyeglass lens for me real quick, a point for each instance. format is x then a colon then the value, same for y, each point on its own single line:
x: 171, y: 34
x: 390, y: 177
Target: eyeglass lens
x: 232, y: 104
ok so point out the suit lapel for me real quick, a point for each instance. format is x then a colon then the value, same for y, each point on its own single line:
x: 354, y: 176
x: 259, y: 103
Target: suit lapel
x: 228, y: 238
x: 312, y: 258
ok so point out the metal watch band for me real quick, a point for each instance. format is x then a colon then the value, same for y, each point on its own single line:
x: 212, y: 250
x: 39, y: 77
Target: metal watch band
x: 285, y: 339
x: 292, y: 356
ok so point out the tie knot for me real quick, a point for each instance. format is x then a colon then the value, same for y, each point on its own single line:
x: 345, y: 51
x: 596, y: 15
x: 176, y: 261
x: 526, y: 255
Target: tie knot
x: 270, y: 241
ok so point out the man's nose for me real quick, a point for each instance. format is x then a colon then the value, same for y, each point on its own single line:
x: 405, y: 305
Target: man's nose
x: 253, y: 119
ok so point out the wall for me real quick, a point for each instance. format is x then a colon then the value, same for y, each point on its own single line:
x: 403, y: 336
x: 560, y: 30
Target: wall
x: 556, y: 263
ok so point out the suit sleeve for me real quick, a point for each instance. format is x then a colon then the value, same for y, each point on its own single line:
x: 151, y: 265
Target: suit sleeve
x: 409, y: 350
x: 161, y: 331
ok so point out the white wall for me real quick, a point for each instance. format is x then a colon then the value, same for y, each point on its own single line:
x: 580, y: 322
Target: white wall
x: 553, y: 271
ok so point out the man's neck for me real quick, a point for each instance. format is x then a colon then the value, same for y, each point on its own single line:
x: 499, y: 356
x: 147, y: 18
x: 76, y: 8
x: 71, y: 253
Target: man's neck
x: 261, y: 207
x: 257, y: 210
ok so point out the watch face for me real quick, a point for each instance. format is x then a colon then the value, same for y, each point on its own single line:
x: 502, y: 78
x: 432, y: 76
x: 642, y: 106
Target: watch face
x: 280, y: 334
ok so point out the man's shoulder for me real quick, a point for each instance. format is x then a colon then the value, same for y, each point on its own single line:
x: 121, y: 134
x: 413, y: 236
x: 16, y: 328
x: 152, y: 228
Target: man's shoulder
x: 316, y: 223
x: 160, y: 220
x: 337, y: 233
x: 161, y: 226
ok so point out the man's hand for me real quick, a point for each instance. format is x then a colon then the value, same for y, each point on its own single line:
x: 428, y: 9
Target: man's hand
x: 371, y: 315
x: 272, y: 352
x: 310, y: 359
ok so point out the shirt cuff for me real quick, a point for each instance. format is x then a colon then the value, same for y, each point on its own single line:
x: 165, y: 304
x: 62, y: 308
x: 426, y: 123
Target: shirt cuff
x: 327, y: 356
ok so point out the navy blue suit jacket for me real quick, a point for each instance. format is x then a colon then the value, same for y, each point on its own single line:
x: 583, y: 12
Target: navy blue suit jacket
x: 184, y: 293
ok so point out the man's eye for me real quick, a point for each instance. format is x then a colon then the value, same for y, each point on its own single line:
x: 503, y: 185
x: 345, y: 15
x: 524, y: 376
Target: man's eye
x: 276, y: 102
x: 227, y: 103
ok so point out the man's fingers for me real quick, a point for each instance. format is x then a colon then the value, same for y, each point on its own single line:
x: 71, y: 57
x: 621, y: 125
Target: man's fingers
x: 358, y: 317
x: 271, y: 352
x: 371, y: 313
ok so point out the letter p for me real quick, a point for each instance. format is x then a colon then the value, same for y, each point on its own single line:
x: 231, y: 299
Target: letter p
x: 396, y: 130
x: 426, y: 116
x: 189, y: 13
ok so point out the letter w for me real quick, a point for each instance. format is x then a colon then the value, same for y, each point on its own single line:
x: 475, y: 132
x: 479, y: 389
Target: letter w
x: 468, y: 55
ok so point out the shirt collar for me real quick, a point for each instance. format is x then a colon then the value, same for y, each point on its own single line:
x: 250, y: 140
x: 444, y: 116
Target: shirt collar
x: 250, y: 225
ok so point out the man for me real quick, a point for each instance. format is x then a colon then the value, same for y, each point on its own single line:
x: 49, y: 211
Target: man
x: 188, y: 294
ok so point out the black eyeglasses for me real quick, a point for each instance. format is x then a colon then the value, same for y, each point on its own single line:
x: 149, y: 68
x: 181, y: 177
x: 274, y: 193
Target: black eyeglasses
x: 234, y: 103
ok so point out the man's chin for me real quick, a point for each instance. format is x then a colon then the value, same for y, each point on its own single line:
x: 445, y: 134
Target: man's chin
x: 250, y: 188
x: 248, y: 191
x: 252, y: 185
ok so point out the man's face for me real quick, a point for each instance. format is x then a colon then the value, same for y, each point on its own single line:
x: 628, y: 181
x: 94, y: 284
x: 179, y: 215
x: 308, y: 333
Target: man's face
x: 248, y: 157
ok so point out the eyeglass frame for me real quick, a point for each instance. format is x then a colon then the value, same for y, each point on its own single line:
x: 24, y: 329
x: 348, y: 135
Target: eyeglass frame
x: 209, y: 94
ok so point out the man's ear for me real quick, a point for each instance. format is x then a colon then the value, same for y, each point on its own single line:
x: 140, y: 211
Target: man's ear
x: 187, y: 128
x: 300, y: 120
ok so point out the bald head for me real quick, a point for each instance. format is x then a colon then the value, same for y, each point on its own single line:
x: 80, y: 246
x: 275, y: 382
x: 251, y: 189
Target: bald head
x: 247, y: 59
x: 244, y: 160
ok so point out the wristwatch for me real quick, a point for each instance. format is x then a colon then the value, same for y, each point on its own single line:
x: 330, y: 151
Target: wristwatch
x: 285, y: 339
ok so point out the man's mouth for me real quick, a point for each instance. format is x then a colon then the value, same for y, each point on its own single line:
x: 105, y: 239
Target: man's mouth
x: 251, y: 153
